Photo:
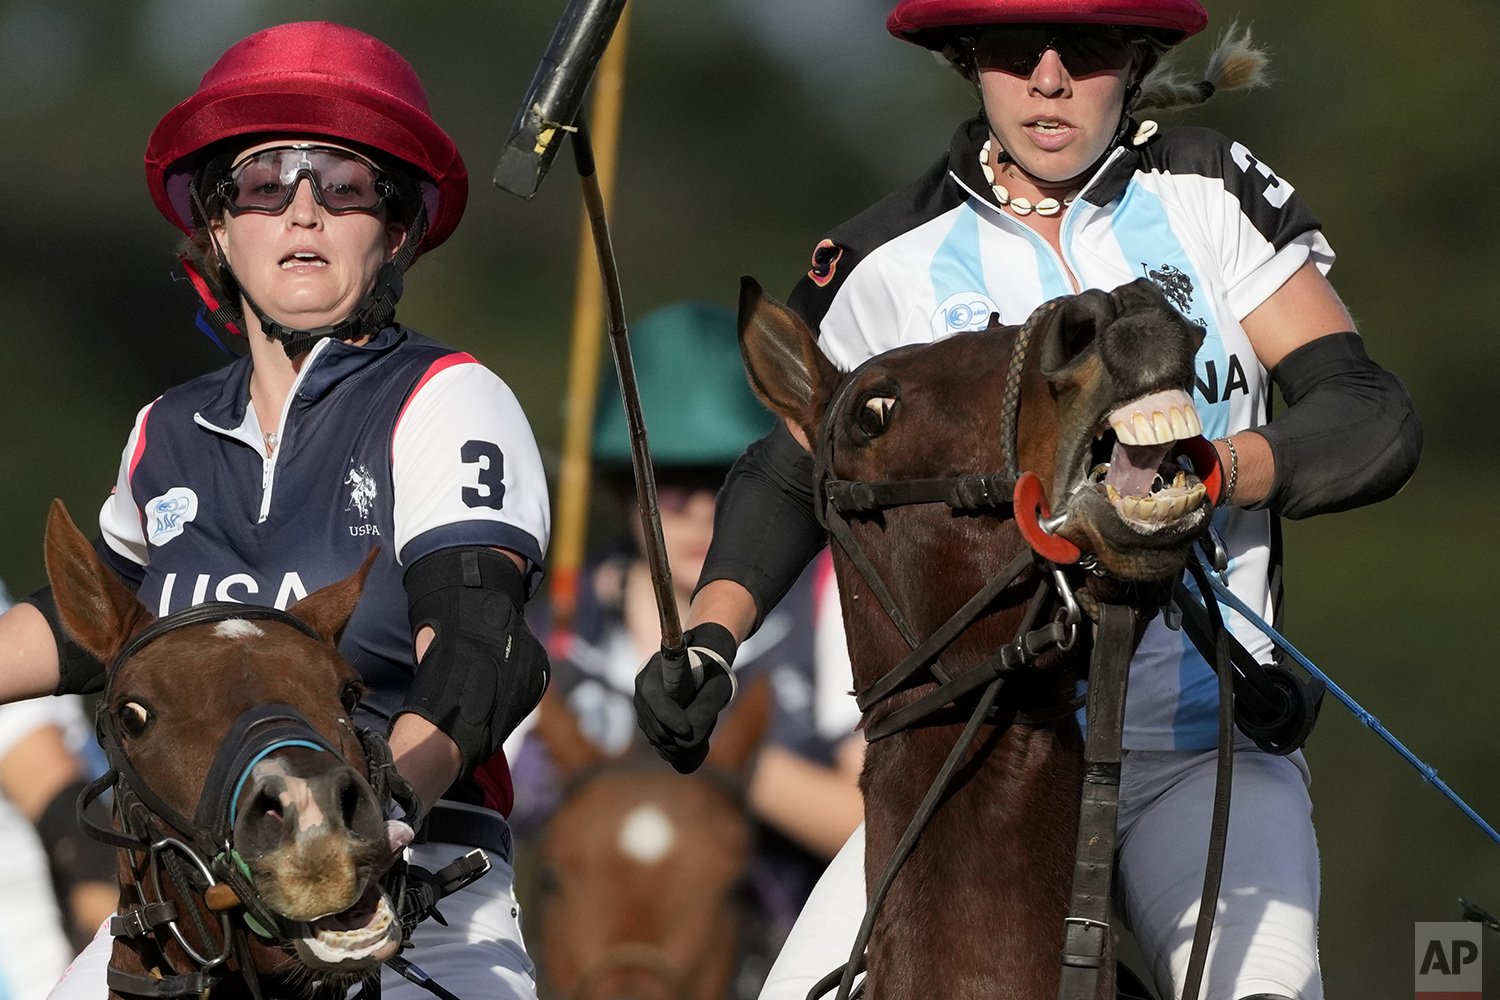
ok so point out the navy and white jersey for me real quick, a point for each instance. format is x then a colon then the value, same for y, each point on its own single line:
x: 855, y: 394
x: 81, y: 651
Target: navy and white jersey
x: 800, y: 647
x: 401, y: 443
x: 1195, y: 212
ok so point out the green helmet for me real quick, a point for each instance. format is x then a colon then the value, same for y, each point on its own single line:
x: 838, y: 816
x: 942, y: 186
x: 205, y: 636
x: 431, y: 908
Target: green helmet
x: 698, y: 405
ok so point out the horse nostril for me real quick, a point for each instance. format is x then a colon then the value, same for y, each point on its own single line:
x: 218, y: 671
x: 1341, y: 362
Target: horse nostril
x: 270, y: 799
x: 267, y: 815
x: 357, y: 807
x: 350, y: 799
x: 267, y: 804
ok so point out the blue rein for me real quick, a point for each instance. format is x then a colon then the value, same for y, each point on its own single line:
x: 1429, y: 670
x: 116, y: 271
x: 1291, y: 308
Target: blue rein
x: 1427, y: 771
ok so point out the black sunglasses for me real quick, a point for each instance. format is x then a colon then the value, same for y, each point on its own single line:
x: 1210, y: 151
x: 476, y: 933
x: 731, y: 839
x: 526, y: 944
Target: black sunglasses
x: 1083, y: 48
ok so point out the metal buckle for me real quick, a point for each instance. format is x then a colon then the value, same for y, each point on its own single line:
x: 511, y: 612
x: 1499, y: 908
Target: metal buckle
x: 203, y: 869
x: 1071, y: 615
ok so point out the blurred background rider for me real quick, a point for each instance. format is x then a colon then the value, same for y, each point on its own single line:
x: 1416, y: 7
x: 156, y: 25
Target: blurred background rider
x: 700, y: 415
x: 57, y: 885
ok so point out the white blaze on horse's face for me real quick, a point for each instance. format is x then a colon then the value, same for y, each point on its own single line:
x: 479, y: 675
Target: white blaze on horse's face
x: 647, y: 834
x: 238, y: 628
x: 293, y: 793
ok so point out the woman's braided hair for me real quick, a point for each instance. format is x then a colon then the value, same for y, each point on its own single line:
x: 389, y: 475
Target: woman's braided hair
x: 1235, y: 64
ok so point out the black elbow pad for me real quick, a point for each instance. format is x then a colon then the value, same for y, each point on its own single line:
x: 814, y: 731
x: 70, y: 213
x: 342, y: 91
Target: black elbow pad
x: 1349, y: 436
x: 484, y: 671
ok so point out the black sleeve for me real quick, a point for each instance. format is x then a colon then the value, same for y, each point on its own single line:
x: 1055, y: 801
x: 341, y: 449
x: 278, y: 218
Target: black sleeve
x: 765, y: 530
x: 1349, y: 437
x: 79, y: 671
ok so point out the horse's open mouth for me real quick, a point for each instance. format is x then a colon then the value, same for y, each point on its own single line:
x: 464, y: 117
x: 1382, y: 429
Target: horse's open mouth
x: 1140, y: 479
x: 365, y: 934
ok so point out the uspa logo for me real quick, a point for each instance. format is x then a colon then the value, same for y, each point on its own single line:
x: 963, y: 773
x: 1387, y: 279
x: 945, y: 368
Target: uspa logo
x: 1448, y: 961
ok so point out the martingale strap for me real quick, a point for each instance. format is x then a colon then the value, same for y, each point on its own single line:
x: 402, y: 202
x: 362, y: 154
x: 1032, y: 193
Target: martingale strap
x: 1087, y: 932
x: 189, y: 984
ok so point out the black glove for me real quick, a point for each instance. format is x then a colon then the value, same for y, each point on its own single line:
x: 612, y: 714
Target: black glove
x: 679, y: 732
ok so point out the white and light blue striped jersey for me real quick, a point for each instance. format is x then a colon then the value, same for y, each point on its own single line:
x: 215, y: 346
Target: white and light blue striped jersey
x: 1195, y: 212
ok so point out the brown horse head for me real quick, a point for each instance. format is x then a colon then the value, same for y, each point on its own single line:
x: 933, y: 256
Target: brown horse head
x: 235, y: 730
x: 925, y: 457
x: 644, y: 866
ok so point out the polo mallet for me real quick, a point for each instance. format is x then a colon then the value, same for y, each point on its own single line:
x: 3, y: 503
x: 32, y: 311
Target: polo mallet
x: 553, y: 106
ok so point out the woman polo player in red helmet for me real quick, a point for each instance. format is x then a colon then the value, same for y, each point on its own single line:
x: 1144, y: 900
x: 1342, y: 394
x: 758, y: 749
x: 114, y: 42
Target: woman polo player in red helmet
x: 1059, y: 184
x: 308, y: 175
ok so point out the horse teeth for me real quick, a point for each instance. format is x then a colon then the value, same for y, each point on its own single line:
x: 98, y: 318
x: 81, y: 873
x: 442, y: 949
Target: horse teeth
x: 1143, y: 432
x: 1180, y: 427
x: 1179, y: 481
x: 1195, y: 425
x: 1112, y: 493
x: 1162, y: 428
x: 1123, y: 431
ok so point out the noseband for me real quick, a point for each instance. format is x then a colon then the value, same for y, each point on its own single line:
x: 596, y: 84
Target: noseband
x: 197, y: 854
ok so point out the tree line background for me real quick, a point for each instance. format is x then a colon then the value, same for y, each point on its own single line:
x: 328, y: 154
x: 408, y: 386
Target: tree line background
x: 749, y: 130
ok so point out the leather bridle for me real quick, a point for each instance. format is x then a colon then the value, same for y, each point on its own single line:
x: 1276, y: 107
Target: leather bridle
x: 1008, y: 492
x: 197, y: 854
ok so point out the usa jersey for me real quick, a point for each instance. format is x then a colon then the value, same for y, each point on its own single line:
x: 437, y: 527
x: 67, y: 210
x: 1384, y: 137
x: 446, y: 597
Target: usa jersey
x: 1196, y: 213
x: 402, y: 444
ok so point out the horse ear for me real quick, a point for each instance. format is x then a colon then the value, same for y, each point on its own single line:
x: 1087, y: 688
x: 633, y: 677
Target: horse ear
x: 558, y: 729
x: 740, y: 732
x: 96, y: 609
x: 787, y: 370
x: 328, y: 609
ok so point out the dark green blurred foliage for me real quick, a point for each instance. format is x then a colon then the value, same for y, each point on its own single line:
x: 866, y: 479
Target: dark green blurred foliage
x: 750, y: 128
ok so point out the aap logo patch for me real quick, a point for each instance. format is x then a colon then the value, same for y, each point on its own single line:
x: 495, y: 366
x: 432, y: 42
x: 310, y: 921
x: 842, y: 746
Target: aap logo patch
x: 169, y: 513
x: 962, y: 312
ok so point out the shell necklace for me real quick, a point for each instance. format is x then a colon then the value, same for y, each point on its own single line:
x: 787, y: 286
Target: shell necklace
x: 1017, y: 204
x: 1047, y: 206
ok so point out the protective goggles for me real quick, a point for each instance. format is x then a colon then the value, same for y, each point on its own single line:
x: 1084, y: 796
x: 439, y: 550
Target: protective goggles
x: 1083, y: 48
x: 342, y: 181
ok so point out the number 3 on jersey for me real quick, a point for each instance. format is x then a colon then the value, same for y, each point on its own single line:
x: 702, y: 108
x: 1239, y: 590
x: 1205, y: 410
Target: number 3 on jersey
x: 491, y: 476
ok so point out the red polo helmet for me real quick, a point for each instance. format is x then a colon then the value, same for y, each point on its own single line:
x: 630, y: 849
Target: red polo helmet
x: 317, y: 79
x: 929, y: 22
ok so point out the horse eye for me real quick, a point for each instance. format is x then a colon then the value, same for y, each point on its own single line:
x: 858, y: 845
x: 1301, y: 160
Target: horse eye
x: 350, y: 695
x: 874, y: 414
x: 134, y: 718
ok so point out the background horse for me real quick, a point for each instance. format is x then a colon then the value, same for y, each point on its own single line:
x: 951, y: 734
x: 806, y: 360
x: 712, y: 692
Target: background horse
x: 643, y: 868
x: 234, y: 761
x: 922, y: 449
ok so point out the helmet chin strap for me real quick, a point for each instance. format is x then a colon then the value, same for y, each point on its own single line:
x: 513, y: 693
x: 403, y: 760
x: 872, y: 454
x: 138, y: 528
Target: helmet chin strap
x: 374, y: 312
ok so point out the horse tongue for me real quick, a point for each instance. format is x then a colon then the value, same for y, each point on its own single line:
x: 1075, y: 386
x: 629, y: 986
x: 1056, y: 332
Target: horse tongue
x: 1133, y: 468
